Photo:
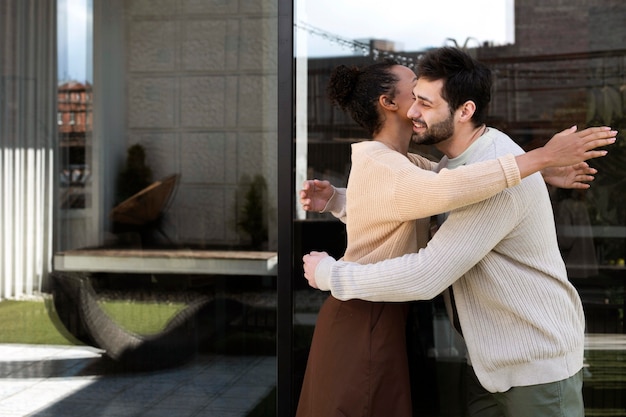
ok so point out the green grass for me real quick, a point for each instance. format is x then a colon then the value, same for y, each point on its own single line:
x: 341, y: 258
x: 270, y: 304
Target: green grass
x: 28, y: 322
x: 141, y: 317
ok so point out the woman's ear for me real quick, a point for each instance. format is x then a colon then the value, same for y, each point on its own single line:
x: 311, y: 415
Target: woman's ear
x: 387, y: 103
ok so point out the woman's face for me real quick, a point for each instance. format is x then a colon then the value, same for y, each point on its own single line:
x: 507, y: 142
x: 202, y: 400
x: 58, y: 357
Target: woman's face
x: 404, y: 89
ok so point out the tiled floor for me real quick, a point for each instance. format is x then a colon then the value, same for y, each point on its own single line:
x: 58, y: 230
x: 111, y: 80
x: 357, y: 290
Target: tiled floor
x: 62, y: 381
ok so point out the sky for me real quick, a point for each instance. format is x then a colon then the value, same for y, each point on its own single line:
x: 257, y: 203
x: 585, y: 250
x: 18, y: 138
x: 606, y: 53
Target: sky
x: 413, y: 25
x: 74, y: 30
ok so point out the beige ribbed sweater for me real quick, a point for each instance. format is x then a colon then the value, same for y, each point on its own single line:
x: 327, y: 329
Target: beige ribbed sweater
x: 381, y: 218
x: 522, y: 320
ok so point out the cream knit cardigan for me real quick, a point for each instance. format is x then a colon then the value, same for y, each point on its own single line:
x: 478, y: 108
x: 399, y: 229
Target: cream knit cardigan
x: 522, y: 320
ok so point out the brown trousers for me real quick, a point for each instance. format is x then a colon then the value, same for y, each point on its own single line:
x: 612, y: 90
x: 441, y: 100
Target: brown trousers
x: 357, y: 364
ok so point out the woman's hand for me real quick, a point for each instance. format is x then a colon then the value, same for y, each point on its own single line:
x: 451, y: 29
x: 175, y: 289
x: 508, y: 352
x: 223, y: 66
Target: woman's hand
x: 315, y: 194
x: 570, y: 147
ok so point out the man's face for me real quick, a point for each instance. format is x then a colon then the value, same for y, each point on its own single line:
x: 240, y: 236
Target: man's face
x: 430, y: 113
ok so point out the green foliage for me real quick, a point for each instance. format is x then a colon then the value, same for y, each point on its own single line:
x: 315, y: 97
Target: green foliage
x: 135, y: 176
x: 253, y: 215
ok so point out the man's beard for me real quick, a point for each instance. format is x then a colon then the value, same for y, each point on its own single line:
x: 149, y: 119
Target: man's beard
x: 436, y: 133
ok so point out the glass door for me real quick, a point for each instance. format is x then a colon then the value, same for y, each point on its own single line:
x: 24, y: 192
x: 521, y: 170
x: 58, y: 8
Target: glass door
x: 541, y: 86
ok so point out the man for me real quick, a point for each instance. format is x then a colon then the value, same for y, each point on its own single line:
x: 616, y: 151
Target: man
x: 522, y: 320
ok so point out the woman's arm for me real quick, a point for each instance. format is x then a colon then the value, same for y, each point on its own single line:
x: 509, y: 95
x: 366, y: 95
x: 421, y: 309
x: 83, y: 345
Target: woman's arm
x: 566, y: 148
x: 450, y: 189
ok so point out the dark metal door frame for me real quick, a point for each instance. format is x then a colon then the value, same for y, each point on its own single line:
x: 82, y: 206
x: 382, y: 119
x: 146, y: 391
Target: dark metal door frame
x: 285, y: 389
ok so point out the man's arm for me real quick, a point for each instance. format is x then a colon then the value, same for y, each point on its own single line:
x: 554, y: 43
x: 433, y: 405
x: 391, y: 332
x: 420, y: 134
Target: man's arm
x: 465, y: 238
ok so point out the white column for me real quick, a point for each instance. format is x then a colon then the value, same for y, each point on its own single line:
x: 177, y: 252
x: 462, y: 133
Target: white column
x: 301, y: 112
x: 27, y: 139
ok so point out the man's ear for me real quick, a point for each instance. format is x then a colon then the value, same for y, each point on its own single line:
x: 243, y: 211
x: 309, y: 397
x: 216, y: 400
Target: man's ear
x: 467, y: 110
x: 387, y: 103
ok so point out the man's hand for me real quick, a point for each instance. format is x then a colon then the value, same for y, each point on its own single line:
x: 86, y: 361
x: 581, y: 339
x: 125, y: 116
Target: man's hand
x: 315, y: 194
x: 574, y: 176
x: 310, y: 264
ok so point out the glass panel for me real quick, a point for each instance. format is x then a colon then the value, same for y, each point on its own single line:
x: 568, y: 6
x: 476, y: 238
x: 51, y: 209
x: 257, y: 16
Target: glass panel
x: 75, y: 31
x: 161, y: 296
x: 543, y: 83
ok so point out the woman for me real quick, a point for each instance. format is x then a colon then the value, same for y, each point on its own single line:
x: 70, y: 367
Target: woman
x: 358, y: 363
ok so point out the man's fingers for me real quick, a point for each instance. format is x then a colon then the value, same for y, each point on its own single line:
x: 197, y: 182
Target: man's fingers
x: 307, y: 257
x: 595, y: 154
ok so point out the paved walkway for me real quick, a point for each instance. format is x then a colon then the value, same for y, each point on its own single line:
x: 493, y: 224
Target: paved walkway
x: 71, y: 381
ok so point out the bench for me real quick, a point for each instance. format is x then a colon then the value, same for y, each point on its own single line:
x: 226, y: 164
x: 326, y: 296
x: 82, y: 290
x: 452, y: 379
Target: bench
x: 174, y: 261
x: 77, y: 310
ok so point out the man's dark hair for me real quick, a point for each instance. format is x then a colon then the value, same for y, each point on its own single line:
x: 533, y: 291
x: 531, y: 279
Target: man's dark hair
x: 464, y: 79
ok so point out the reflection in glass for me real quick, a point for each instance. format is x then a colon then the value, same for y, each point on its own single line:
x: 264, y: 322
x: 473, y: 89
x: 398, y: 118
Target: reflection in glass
x: 542, y: 85
x: 167, y: 158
